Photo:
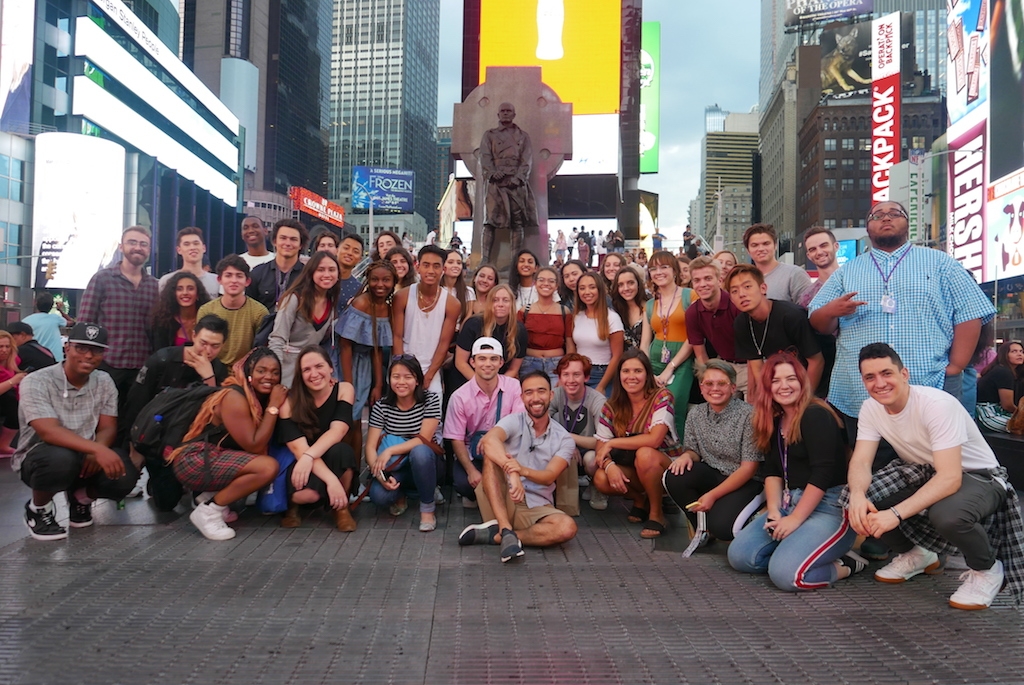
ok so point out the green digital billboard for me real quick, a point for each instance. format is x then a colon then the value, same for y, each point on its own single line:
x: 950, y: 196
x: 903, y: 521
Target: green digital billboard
x: 650, y: 96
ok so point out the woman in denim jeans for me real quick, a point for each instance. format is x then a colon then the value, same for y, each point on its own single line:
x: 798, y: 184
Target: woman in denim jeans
x: 401, y: 426
x: 803, y: 542
x: 548, y: 327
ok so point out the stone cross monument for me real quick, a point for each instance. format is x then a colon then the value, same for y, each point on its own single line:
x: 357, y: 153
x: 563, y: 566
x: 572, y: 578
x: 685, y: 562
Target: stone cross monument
x: 548, y: 122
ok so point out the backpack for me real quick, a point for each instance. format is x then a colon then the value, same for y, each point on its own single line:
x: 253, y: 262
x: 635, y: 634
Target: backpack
x: 161, y: 424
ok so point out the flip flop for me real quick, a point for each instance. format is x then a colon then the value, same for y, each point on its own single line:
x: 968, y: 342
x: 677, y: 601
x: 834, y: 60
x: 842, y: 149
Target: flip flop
x: 637, y: 515
x: 652, y: 529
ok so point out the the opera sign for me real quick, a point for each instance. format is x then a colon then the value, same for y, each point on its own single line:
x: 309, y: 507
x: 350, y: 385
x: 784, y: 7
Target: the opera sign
x: 885, y: 103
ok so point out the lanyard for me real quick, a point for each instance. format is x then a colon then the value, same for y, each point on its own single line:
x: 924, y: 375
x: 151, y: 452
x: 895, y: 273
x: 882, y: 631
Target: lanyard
x: 886, y: 277
x: 784, y: 454
x: 665, y: 316
x: 579, y: 415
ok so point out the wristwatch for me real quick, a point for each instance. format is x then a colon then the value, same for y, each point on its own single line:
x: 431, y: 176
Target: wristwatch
x: 273, y: 410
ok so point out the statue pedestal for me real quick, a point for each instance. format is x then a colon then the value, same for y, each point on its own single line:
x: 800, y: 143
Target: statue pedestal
x: 547, y: 120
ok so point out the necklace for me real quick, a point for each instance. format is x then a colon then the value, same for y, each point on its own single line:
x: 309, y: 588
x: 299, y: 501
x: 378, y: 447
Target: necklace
x: 419, y: 300
x: 760, y: 347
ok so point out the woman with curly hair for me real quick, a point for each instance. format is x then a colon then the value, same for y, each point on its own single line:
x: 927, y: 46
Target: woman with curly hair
x: 224, y: 453
x: 174, y: 315
x: 803, y: 541
x: 405, y: 268
x: 305, y: 313
x: 636, y: 442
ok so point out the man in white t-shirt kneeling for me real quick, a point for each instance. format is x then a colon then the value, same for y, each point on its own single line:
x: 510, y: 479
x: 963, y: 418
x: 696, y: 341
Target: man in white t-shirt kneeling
x: 945, y: 492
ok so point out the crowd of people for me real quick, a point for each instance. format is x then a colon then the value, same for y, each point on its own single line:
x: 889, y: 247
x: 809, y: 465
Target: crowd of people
x: 735, y: 391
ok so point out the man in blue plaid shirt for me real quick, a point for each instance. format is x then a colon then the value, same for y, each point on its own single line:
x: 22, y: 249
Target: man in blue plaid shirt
x: 920, y: 301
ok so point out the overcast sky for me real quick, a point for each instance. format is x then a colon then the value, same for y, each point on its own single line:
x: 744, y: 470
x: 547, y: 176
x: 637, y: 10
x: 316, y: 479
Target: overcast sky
x: 709, y: 55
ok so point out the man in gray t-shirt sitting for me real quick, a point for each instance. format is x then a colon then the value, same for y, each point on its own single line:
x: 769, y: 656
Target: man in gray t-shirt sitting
x: 576, y: 408
x: 523, y: 456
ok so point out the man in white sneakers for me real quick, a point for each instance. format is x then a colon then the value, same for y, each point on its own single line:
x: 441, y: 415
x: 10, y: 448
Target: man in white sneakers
x: 946, y: 490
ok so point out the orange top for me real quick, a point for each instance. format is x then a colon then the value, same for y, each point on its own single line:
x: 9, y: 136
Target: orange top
x: 676, y: 317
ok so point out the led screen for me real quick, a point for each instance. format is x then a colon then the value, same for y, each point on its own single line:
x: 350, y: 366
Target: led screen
x: 17, y: 24
x: 576, y: 43
x: 79, y: 207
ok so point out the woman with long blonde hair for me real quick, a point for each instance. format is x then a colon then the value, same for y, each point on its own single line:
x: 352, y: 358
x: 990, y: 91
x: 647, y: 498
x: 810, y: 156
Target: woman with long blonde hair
x: 803, y: 541
x: 499, y: 322
x: 10, y: 378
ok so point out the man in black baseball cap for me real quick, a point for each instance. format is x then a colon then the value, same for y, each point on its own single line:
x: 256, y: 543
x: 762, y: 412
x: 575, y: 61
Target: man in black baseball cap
x: 68, y: 419
x: 33, y: 355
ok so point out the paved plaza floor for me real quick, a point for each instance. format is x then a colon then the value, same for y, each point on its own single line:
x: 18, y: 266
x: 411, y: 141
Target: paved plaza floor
x: 143, y: 598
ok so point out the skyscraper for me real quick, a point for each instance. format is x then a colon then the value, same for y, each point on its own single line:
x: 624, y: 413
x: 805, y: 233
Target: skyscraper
x: 270, y: 63
x: 384, y: 93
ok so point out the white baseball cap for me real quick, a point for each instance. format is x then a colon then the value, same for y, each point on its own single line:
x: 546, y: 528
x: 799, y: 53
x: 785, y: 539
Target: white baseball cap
x: 487, y: 346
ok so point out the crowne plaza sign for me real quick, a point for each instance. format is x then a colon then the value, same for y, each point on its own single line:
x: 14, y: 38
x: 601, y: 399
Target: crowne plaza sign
x: 310, y: 203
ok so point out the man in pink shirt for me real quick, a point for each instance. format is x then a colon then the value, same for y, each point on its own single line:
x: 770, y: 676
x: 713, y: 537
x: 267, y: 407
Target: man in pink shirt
x: 474, y: 409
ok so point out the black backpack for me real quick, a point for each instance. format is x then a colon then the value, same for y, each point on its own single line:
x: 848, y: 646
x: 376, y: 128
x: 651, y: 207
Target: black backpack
x: 163, y: 423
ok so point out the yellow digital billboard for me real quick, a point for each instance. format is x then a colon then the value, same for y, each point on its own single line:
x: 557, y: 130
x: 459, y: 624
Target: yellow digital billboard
x: 576, y: 43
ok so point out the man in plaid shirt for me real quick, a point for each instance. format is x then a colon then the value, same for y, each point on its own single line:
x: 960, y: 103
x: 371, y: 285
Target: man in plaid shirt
x: 120, y: 298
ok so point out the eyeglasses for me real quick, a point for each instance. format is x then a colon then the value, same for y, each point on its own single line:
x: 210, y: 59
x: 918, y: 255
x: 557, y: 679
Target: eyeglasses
x: 711, y: 385
x: 87, y: 349
x: 404, y: 358
x: 892, y: 214
x: 136, y: 243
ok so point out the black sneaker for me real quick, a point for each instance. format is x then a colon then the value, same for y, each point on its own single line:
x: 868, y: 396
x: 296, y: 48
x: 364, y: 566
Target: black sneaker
x: 79, y: 515
x: 511, y: 546
x: 42, y: 525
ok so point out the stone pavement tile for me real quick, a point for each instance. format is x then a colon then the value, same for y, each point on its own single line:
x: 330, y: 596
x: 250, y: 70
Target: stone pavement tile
x: 157, y: 603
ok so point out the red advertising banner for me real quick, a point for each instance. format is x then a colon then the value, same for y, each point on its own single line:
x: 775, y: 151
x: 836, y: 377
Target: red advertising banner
x: 967, y: 196
x: 886, y: 146
x: 309, y: 202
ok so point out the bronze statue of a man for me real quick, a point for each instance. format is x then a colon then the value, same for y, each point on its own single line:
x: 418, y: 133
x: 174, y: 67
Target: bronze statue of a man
x: 506, y: 158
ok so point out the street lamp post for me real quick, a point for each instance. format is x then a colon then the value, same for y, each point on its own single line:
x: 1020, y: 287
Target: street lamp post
x: 370, y: 195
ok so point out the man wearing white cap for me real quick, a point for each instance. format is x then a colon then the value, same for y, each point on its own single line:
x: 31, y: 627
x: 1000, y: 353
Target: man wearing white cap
x: 474, y: 409
x: 68, y: 416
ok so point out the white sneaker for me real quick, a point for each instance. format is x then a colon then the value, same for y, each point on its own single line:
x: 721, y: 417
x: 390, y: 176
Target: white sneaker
x: 979, y: 588
x: 587, y: 493
x: 209, y: 519
x: 467, y: 503
x: 598, y: 500
x: 909, y: 564
x: 140, y: 486
x: 230, y: 515
x: 438, y: 496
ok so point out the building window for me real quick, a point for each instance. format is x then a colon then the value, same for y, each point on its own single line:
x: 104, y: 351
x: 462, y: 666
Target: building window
x: 830, y: 163
x: 829, y: 223
x: 864, y: 144
x: 830, y: 145
x: 918, y: 142
x: 864, y: 183
x: 847, y: 143
x: 864, y: 164
x: 848, y: 164
x: 847, y: 184
x: 830, y: 184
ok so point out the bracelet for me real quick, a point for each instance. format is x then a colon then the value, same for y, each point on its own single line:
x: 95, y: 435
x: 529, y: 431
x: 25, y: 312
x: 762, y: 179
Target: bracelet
x: 896, y: 514
x: 607, y: 464
x: 307, y: 454
x: 208, y: 378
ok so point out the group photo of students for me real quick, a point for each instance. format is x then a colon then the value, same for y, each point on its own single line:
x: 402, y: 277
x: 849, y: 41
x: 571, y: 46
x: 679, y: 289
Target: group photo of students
x: 805, y: 429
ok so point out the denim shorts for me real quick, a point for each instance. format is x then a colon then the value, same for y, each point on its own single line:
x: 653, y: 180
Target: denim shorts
x: 545, y: 364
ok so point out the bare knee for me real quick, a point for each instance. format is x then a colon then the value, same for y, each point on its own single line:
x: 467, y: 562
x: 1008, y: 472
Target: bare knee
x: 648, y: 459
x: 264, y: 466
x: 564, y: 527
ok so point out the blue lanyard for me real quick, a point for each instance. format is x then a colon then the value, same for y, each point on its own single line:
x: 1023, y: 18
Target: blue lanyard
x: 886, y: 277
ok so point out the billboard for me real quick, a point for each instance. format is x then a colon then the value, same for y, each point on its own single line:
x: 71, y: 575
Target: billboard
x: 846, y: 60
x: 77, y: 221
x: 388, y: 189
x: 17, y: 37
x: 650, y: 96
x: 910, y: 184
x: 967, y: 67
x: 967, y: 193
x: 886, y: 97
x: 812, y: 11
x: 576, y: 43
x: 310, y: 203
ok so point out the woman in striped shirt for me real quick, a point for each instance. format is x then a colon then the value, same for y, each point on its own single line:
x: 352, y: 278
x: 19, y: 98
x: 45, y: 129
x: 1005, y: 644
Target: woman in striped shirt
x: 402, y: 427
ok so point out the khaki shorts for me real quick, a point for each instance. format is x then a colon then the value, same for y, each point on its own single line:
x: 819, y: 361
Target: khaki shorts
x: 741, y: 378
x: 522, y: 516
